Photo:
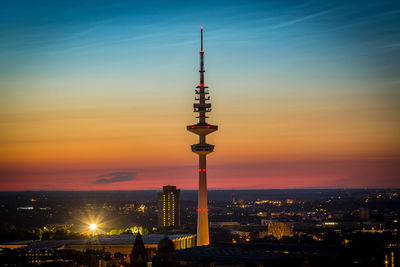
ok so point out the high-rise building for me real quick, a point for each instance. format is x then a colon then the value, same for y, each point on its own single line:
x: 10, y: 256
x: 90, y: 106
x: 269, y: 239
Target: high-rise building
x: 169, y: 207
x: 202, y: 128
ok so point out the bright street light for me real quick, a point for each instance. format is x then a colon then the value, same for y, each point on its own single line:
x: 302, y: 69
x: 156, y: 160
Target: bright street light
x: 93, y: 226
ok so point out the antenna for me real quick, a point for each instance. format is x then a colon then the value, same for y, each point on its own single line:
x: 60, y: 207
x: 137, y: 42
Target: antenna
x: 201, y: 28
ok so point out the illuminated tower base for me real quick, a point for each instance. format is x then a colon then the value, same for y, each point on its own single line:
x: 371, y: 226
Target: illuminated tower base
x: 202, y: 218
x: 202, y: 128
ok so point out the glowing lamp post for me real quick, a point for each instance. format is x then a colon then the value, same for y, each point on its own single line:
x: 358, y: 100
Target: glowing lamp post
x: 93, y: 228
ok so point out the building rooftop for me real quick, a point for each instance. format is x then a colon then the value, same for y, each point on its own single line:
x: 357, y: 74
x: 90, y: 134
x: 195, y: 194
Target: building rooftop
x: 124, y: 239
x: 228, y: 254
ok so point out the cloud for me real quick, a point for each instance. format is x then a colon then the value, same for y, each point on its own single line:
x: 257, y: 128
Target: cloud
x: 298, y: 20
x: 116, y: 177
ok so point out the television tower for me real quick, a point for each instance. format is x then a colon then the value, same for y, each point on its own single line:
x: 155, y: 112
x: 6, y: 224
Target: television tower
x: 202, y: 128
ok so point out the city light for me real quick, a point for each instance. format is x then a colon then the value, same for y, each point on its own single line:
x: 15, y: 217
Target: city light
x: 93, y: 222
x: 141, y: 208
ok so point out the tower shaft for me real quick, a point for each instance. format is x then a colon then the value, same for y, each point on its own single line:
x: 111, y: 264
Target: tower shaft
x: 202, y: 128
x: 202, y: 207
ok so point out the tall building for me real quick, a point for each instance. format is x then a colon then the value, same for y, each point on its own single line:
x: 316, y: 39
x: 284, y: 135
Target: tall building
x: 169, y: 207
x: 202, y: 128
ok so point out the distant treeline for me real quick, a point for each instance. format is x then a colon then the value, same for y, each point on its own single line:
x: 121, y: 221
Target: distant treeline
x: 9, y: 232
x: 190, y: 195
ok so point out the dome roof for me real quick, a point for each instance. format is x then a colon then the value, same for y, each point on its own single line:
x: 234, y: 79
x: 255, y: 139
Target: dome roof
x: 166, y: 245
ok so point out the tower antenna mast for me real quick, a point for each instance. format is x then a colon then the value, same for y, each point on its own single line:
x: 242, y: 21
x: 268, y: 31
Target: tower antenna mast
x: 202, y: 128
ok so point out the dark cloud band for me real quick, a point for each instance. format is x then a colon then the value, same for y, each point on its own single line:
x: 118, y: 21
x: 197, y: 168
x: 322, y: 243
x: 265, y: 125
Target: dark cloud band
x: 116, y: 177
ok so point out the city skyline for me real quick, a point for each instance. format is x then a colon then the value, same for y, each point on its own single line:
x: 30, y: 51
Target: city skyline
x: 87, y: 91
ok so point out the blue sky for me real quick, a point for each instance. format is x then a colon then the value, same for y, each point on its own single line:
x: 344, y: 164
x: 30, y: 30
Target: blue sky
x: 107, y: 85
x: 349, y: 38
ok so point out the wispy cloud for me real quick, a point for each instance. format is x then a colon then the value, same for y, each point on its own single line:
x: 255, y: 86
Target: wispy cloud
x: 116, y: 177
x: 298, y: 20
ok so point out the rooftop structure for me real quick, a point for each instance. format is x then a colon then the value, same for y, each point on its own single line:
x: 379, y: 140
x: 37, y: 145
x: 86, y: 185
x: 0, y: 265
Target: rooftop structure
x: 113, y: 243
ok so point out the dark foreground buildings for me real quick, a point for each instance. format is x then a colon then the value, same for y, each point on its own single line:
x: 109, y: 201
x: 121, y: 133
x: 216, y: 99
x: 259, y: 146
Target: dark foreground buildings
x: 165, y: 253
x: 107, y: 249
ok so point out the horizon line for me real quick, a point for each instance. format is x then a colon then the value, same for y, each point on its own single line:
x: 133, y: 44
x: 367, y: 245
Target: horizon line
x: 212, y: 189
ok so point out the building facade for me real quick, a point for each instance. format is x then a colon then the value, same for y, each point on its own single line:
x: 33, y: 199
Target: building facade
x: 30, y: 252
x: 169, y: 207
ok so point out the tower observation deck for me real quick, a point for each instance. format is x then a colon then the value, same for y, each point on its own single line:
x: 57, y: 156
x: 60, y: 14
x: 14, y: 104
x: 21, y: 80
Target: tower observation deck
x: 202, y: 128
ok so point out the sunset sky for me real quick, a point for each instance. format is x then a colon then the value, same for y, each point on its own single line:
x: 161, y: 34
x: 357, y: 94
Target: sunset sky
x: 96, y: 95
